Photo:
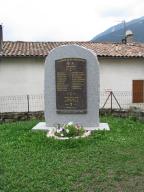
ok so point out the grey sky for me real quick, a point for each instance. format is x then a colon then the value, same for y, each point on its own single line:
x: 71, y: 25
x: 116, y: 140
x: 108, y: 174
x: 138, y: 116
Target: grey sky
x: 64, y: 20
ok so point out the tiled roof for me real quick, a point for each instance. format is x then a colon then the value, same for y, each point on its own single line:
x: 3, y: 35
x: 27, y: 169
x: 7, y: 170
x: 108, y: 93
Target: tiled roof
x: 19, y: 48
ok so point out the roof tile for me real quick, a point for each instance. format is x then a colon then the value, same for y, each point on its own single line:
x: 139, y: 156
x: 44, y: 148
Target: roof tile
x: 22, y: 49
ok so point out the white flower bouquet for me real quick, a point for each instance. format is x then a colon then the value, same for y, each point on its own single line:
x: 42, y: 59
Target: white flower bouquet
x: 69, y: 130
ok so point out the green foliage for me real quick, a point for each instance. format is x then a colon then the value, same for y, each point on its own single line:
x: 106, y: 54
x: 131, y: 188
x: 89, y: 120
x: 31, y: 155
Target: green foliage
x: 105, y: 161
x: 70, y: 130
x: 73, y: 131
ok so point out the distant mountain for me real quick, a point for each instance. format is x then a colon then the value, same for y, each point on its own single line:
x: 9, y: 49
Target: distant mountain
x: 116, y: 33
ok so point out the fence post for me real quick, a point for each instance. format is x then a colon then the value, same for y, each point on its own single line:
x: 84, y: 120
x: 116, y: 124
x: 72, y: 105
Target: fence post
x: 28, y: 107
x: 111, y: 96
x: 116, y: 100
x: 111, y: 101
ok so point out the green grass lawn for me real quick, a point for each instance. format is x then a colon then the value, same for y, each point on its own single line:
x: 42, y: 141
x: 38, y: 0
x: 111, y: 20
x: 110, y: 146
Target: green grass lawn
x: 105, y: 161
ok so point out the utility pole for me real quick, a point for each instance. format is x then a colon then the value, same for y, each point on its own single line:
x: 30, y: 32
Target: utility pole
x: 124, y: 28
x: 123, y: 22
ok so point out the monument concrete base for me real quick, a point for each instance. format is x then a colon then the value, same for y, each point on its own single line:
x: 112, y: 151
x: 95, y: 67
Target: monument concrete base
x: 41, y: 126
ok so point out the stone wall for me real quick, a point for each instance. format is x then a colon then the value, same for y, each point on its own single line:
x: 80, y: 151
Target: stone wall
x: 20, y: 116
x: 39, y: 115
x: 135, y: 113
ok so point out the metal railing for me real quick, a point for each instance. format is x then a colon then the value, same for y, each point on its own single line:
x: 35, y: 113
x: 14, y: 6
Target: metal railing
x: 27, y: 103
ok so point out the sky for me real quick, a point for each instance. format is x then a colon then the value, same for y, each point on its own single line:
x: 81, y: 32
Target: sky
x: 64, y: 20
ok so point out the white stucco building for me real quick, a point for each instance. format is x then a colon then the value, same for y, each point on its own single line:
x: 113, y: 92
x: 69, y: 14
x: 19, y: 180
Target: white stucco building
x: 22, y: 67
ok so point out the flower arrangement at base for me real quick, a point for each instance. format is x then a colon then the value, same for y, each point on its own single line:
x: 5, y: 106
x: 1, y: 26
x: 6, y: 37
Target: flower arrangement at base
x: 69, y: 130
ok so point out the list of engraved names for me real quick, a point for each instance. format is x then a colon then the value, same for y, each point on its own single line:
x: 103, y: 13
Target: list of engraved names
x: 71, y: 85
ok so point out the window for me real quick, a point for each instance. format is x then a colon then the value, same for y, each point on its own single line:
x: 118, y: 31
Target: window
x: 138, y: 91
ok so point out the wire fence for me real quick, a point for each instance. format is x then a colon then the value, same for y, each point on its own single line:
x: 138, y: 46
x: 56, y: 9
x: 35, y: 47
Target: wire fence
x: 29, y: 103
x: 21, y: 103
x: 123, y: 100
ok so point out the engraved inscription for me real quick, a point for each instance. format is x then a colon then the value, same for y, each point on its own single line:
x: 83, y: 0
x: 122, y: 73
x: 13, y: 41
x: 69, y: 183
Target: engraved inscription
x: 71, y: 85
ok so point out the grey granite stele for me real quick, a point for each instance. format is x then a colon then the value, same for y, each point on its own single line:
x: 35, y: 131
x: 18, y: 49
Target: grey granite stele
x: 89, y: 120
